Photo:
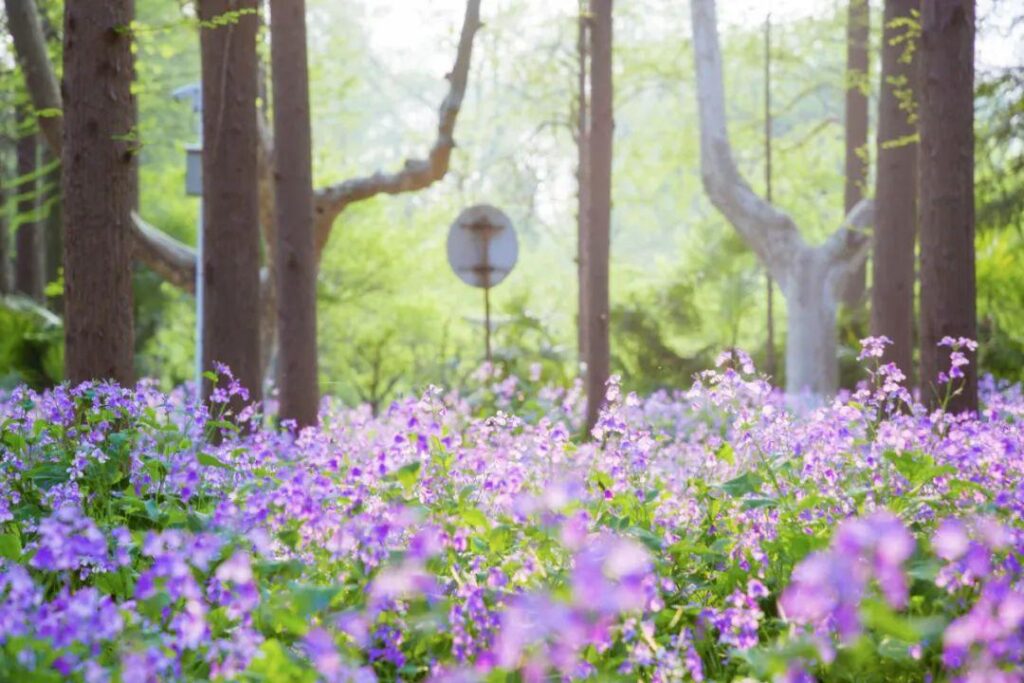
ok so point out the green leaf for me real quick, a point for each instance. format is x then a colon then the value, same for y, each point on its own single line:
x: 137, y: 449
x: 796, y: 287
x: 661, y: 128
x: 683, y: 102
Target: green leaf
x: 725, y: 453
x: 648, y: 538
x: 925, y: 570
x: 742, y: 485
x: 10, y: 546
x: 474, y: 518
x: 408, y: 475
x: 207, y: 460
x: 759, y: 503
x: 310, y: 600
x: 603, y: 480
x: 879, y: 616
x: 917, y: 468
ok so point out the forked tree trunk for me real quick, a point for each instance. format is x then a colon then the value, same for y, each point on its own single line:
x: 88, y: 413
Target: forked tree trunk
x: 810, y: 277
x: 295, y: 253
x: 947, y: 193
x: 98, y: 152
x: 893, y: 260
x: 599, y: 216
x: 231, y: 255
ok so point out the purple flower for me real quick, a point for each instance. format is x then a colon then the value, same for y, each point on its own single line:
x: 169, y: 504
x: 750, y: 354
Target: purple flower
x: 323, y: 652
x: 873, y: 347
x: 612, y: 575
x: 827, y: 587
x: 950, y: 540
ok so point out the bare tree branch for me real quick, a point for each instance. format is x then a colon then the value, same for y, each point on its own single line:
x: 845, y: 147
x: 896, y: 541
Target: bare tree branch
x: 165, y: 255
x: 416, y: 174
x: 851, y: 242
x: 30, y: 47
x: 169, y: 258
x: 847, y: 248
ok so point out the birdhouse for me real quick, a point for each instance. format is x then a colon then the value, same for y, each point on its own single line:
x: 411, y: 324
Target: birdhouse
x: 194, y: 170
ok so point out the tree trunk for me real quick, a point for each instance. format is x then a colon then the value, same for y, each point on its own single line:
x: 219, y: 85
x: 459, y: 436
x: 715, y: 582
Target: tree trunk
x: 29, y: 269
x: 5, y: 253
x: 231, y: 256
x: 53, y: 231
x: 858, y: 31
x: 98, y: 190
x: 892, y: 275
x: 947, y: 192
x: 811, y: 343
x: 811, y: 278
x: 296, y: 256
x: 30, y: 45
x: 583, y: 183
x: 599, y: 215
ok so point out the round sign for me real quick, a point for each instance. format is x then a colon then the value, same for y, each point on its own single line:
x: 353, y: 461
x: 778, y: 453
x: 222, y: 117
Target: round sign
x: 482, y: 246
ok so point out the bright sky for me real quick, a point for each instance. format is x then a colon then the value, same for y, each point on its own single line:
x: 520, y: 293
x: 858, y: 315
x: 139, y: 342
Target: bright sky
x: 407, y: 29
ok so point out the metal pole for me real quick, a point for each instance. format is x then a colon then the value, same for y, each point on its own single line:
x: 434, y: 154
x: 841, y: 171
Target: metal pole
x: 769, y: 284
x: 486, y: 242
x: 487, y: 323
x: 200, y: 295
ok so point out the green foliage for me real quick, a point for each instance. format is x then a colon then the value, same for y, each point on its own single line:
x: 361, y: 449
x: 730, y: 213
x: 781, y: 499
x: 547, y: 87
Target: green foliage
x: 392, y: 315
x: 31, y: 344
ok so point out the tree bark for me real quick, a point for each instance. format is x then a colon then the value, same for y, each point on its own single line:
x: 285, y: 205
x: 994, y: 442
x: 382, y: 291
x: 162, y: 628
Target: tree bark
x: 811, y: 277
x: 811, y: 342
x: 231, y: 247
x: 5, y: 252
x: 892, y: 275
x: 296, y: 257
x: 600, y: 204
x: 29, y: 269
x: 858, y: 31
x: 99, y: 124
x: 30, y: 46
x: 582, y: 180
x: 947, y: 192
x: 53, y: 229
x: 176, y: 262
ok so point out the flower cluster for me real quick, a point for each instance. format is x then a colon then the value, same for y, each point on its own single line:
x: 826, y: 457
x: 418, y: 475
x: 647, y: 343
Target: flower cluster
x: 716, y: 534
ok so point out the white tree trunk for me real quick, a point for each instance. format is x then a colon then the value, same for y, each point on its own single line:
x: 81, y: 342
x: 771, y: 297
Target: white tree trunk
x: 810, y: 276
x: 811, y: 341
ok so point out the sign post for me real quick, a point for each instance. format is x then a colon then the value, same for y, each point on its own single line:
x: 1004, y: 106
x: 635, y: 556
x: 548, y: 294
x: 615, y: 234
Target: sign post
x: 194, y: 188
x: 483, y: 250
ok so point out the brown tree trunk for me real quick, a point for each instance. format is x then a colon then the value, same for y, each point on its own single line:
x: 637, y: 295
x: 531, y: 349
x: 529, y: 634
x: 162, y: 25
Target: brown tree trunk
x: 947, y: 192
x: 892, y: 274
x: 26, y: 30
x: 582, y: 192
x: 231, y: 258
x: 858, y: 28
x: 293, y: 176
x: 600, y: 201
x: 5, y: 252
x: 53, y: 230
x: 98, y: 190
x: 29, y: 270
